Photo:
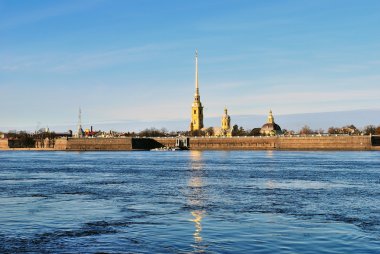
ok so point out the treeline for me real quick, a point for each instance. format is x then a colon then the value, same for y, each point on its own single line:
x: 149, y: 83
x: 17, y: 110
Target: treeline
x: 240, y: 131
x: 345, y: 130
x: 23, y: 139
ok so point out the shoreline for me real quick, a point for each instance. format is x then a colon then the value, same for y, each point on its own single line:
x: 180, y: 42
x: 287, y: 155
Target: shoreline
x: 274, y: 143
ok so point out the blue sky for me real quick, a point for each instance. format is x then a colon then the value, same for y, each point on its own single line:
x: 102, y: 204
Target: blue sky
x: 134, y: 60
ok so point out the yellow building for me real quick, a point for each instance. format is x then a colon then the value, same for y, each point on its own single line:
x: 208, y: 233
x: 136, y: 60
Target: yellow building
x: 270, y: 128
x: 197, y: 108
x: 226, y: 124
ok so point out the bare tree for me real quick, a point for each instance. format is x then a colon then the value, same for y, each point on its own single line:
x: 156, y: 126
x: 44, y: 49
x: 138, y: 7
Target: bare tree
x: 369, y: 129
x: 306, y: 130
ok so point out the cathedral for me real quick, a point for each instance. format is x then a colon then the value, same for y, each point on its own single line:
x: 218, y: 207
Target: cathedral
x: 196, y: 123
x: 269, y: 129
x: 197, y: 108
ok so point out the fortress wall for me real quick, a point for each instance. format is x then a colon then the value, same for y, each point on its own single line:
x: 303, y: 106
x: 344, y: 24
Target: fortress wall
x: 4, y: 144
x: 284, y: 143
x: 60, y: 144
x: 214, y: 143
x: 325, y: 143
x: 233, y: 143
x: 168, y: 142
x: 98, y: 144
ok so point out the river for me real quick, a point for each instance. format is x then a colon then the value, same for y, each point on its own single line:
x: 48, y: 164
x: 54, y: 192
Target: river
x: 190, y: 202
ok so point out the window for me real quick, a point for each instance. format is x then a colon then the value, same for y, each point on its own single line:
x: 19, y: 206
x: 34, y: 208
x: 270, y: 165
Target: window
x: 195, y: 111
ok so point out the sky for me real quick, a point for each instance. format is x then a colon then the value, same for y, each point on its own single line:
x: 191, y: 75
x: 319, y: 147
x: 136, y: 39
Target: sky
x: 122, y: 60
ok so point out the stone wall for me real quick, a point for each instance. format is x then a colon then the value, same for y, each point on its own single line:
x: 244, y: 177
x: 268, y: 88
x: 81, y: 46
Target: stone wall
x: 61, y: 144
x: 168, y: 142
x: 95, y: 144
x: 233, y: 143
x: 220, y: 143
x: 324, y: 143
x: 3, y: 143
x: 281, y: 143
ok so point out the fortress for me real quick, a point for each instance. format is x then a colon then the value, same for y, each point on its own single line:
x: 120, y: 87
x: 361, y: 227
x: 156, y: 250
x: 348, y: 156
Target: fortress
x: 196, y: 124
x: 271, y: 139
x: 344, y: 143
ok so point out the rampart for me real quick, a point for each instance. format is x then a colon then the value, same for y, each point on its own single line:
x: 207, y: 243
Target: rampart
x: 324, y: 143
x: 218, y: 143
x: 4, y: 144
x: 94, y: 144
x: 280, y: 143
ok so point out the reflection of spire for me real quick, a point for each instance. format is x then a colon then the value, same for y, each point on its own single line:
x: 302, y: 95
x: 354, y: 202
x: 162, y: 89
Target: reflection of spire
x: 198, y: 216
x: 196, y: 198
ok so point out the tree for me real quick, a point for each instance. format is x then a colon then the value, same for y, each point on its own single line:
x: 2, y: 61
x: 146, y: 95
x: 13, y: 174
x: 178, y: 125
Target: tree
x: 333, y: 130
x: 21, y: 140
x: 255, y: 132
x: 197, y: 133
x: 153, y: 132
x: 377, y: 131
x: 306, y: 130
x: 241, y: 131
x: 235, y: 130
x: 369, y: 129
x: 210, y: 131
x: 320, y: 131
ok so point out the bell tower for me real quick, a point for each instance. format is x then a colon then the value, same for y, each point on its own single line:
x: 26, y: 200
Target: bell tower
x: 270, y: 117
x: 197, y: 108
x: 226, y: 121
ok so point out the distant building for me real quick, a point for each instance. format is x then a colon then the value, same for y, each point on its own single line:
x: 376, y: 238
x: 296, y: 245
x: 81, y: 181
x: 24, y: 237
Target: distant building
x: 197, y: 108
x: 270, y: 128
x: 80, y: 132
x: 226, y: 124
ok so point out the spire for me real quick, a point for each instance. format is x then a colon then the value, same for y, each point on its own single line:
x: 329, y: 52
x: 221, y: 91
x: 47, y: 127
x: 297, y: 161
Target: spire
x: 80, y: 119
x: 197, y: 109
x: 270, y: 117
x: 79, y: 123
x: 196, y: 73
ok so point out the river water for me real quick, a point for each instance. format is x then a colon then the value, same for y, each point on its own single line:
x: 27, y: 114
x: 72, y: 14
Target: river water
x: 190, y: 202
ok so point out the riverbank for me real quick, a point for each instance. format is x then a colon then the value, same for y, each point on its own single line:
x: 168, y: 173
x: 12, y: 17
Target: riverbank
x: 339, y: 143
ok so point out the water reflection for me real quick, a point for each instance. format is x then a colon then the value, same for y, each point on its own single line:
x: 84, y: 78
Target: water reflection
x: 196, y: 199
x: 269, y: 154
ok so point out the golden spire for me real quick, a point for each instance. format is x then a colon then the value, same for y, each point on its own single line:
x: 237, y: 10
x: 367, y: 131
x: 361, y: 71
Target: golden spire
x: 197, y: 109
x: 270, y: 117
x: 196, y: 73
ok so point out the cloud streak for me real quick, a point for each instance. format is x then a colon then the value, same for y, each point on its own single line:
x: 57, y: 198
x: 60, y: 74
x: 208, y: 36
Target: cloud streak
x: 76, y: 62
x: 36, y: 15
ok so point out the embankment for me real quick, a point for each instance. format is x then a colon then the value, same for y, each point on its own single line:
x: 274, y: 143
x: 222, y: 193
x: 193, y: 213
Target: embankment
x: 94, y: 144
x: 4, y: 144
x: 360, y: 143
x: 278, y: 143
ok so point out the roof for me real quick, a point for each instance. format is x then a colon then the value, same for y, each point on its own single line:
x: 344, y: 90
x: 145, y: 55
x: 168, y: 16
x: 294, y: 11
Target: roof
x: 271, y: 126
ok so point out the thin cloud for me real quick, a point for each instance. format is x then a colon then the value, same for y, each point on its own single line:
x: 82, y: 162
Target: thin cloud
x: 37, y: 15
x: 76, y: 62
